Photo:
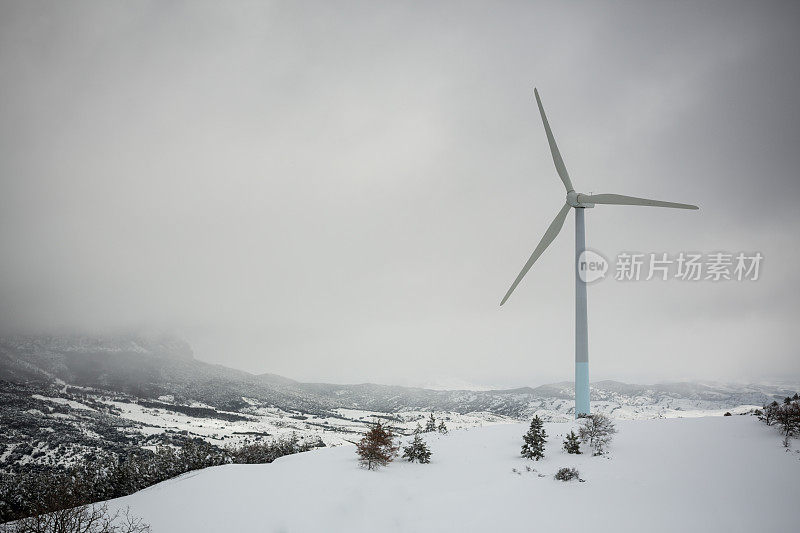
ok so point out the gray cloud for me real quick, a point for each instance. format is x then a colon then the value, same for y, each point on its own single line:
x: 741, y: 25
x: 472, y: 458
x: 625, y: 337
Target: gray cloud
x: 344, y: 191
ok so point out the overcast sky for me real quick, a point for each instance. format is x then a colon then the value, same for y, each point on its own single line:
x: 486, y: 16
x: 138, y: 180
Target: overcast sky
x: 343, y: 191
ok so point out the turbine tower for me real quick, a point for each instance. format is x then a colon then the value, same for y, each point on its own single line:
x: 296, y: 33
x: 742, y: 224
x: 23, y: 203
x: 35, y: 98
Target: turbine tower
x: 579, y: 202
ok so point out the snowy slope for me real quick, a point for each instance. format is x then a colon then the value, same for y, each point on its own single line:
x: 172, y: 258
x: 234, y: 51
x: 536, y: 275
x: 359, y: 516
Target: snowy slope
x: 694, y: 474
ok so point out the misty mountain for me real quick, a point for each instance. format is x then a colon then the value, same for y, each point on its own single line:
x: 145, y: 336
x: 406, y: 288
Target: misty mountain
x: 65, y: 399
x: 150, y: 366
x: 146, y: 368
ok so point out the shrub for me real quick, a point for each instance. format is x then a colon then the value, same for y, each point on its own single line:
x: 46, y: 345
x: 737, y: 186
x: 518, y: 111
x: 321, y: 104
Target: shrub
x: 84, y: 519
x: 787, y: 417
x: 767, y: 414
x: 567, y: 474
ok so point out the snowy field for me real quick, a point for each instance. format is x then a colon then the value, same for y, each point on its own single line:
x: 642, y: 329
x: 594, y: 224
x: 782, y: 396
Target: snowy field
x: 274, y: 423
x: 694, y: 474
x: 260, y: 421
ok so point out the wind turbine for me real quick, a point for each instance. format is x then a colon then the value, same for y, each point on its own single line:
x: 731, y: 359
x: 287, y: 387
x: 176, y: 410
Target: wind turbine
x: 579, y: 202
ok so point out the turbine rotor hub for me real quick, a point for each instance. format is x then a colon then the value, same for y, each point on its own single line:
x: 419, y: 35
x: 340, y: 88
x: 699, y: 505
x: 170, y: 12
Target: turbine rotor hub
x: 572, y: 199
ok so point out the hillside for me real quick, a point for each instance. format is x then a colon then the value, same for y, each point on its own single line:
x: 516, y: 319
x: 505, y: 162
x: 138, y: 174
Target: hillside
x: 151, y: 366
x: 701, y: 474
x: 62, y: 398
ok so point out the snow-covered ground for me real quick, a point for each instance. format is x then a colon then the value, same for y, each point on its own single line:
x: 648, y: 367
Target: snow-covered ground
x: 63, y: 401
x: 346, y: 427
x: 274, y: 423
x: 691, y: 474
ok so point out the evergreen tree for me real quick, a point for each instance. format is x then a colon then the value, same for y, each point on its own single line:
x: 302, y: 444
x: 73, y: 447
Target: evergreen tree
x: 442, y: 428
x: 418, y: 429
x: 572, y: 444
x: 534, y: 439
x: 377, y: 448
x: 417, y: 451
x: 430, y: 427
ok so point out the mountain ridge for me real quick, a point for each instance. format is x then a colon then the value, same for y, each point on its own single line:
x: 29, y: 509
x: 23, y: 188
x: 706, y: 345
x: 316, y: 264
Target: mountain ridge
x: 149, y: 366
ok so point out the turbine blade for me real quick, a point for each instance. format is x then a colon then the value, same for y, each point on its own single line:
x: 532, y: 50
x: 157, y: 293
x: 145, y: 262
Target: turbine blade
x: 560, y: 168
x: 549, y: 235
x: 620, y: 199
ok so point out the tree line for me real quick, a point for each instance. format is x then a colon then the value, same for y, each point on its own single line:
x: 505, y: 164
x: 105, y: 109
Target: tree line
x: 103, y: 476
x: 785, y: 416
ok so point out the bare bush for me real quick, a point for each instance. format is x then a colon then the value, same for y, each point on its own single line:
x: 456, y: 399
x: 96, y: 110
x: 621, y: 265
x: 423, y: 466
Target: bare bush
x: 84, y: 519
x: 597, y: 431
x: 767, y: 413
x: 787, y: 417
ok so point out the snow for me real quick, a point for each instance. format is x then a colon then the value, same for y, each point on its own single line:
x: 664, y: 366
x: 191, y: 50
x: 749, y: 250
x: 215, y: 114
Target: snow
x: 282, y: 424
x: 73, y: 404
x: 691, y: 474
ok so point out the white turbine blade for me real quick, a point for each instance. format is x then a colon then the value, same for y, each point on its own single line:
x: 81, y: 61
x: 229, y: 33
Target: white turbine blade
x: 548, y: 237
x: 619, y: 199
x: 560, y: 168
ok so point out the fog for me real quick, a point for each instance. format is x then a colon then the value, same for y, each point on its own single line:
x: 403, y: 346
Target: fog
x: 344, y: 191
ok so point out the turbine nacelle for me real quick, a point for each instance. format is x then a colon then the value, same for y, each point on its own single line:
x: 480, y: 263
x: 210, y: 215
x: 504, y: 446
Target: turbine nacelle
x: 573, y: 199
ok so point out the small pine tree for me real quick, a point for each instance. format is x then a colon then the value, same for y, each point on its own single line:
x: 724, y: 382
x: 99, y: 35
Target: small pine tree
x: 417, y: 451
x: 572, y: 443
x: 430, y: 427
x: 442, y: 428
x: 377, y: 448
x: 418, y: 429
x: 534, y: 439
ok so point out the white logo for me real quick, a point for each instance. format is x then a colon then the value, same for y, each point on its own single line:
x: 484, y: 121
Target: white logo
x: 591, y: 266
